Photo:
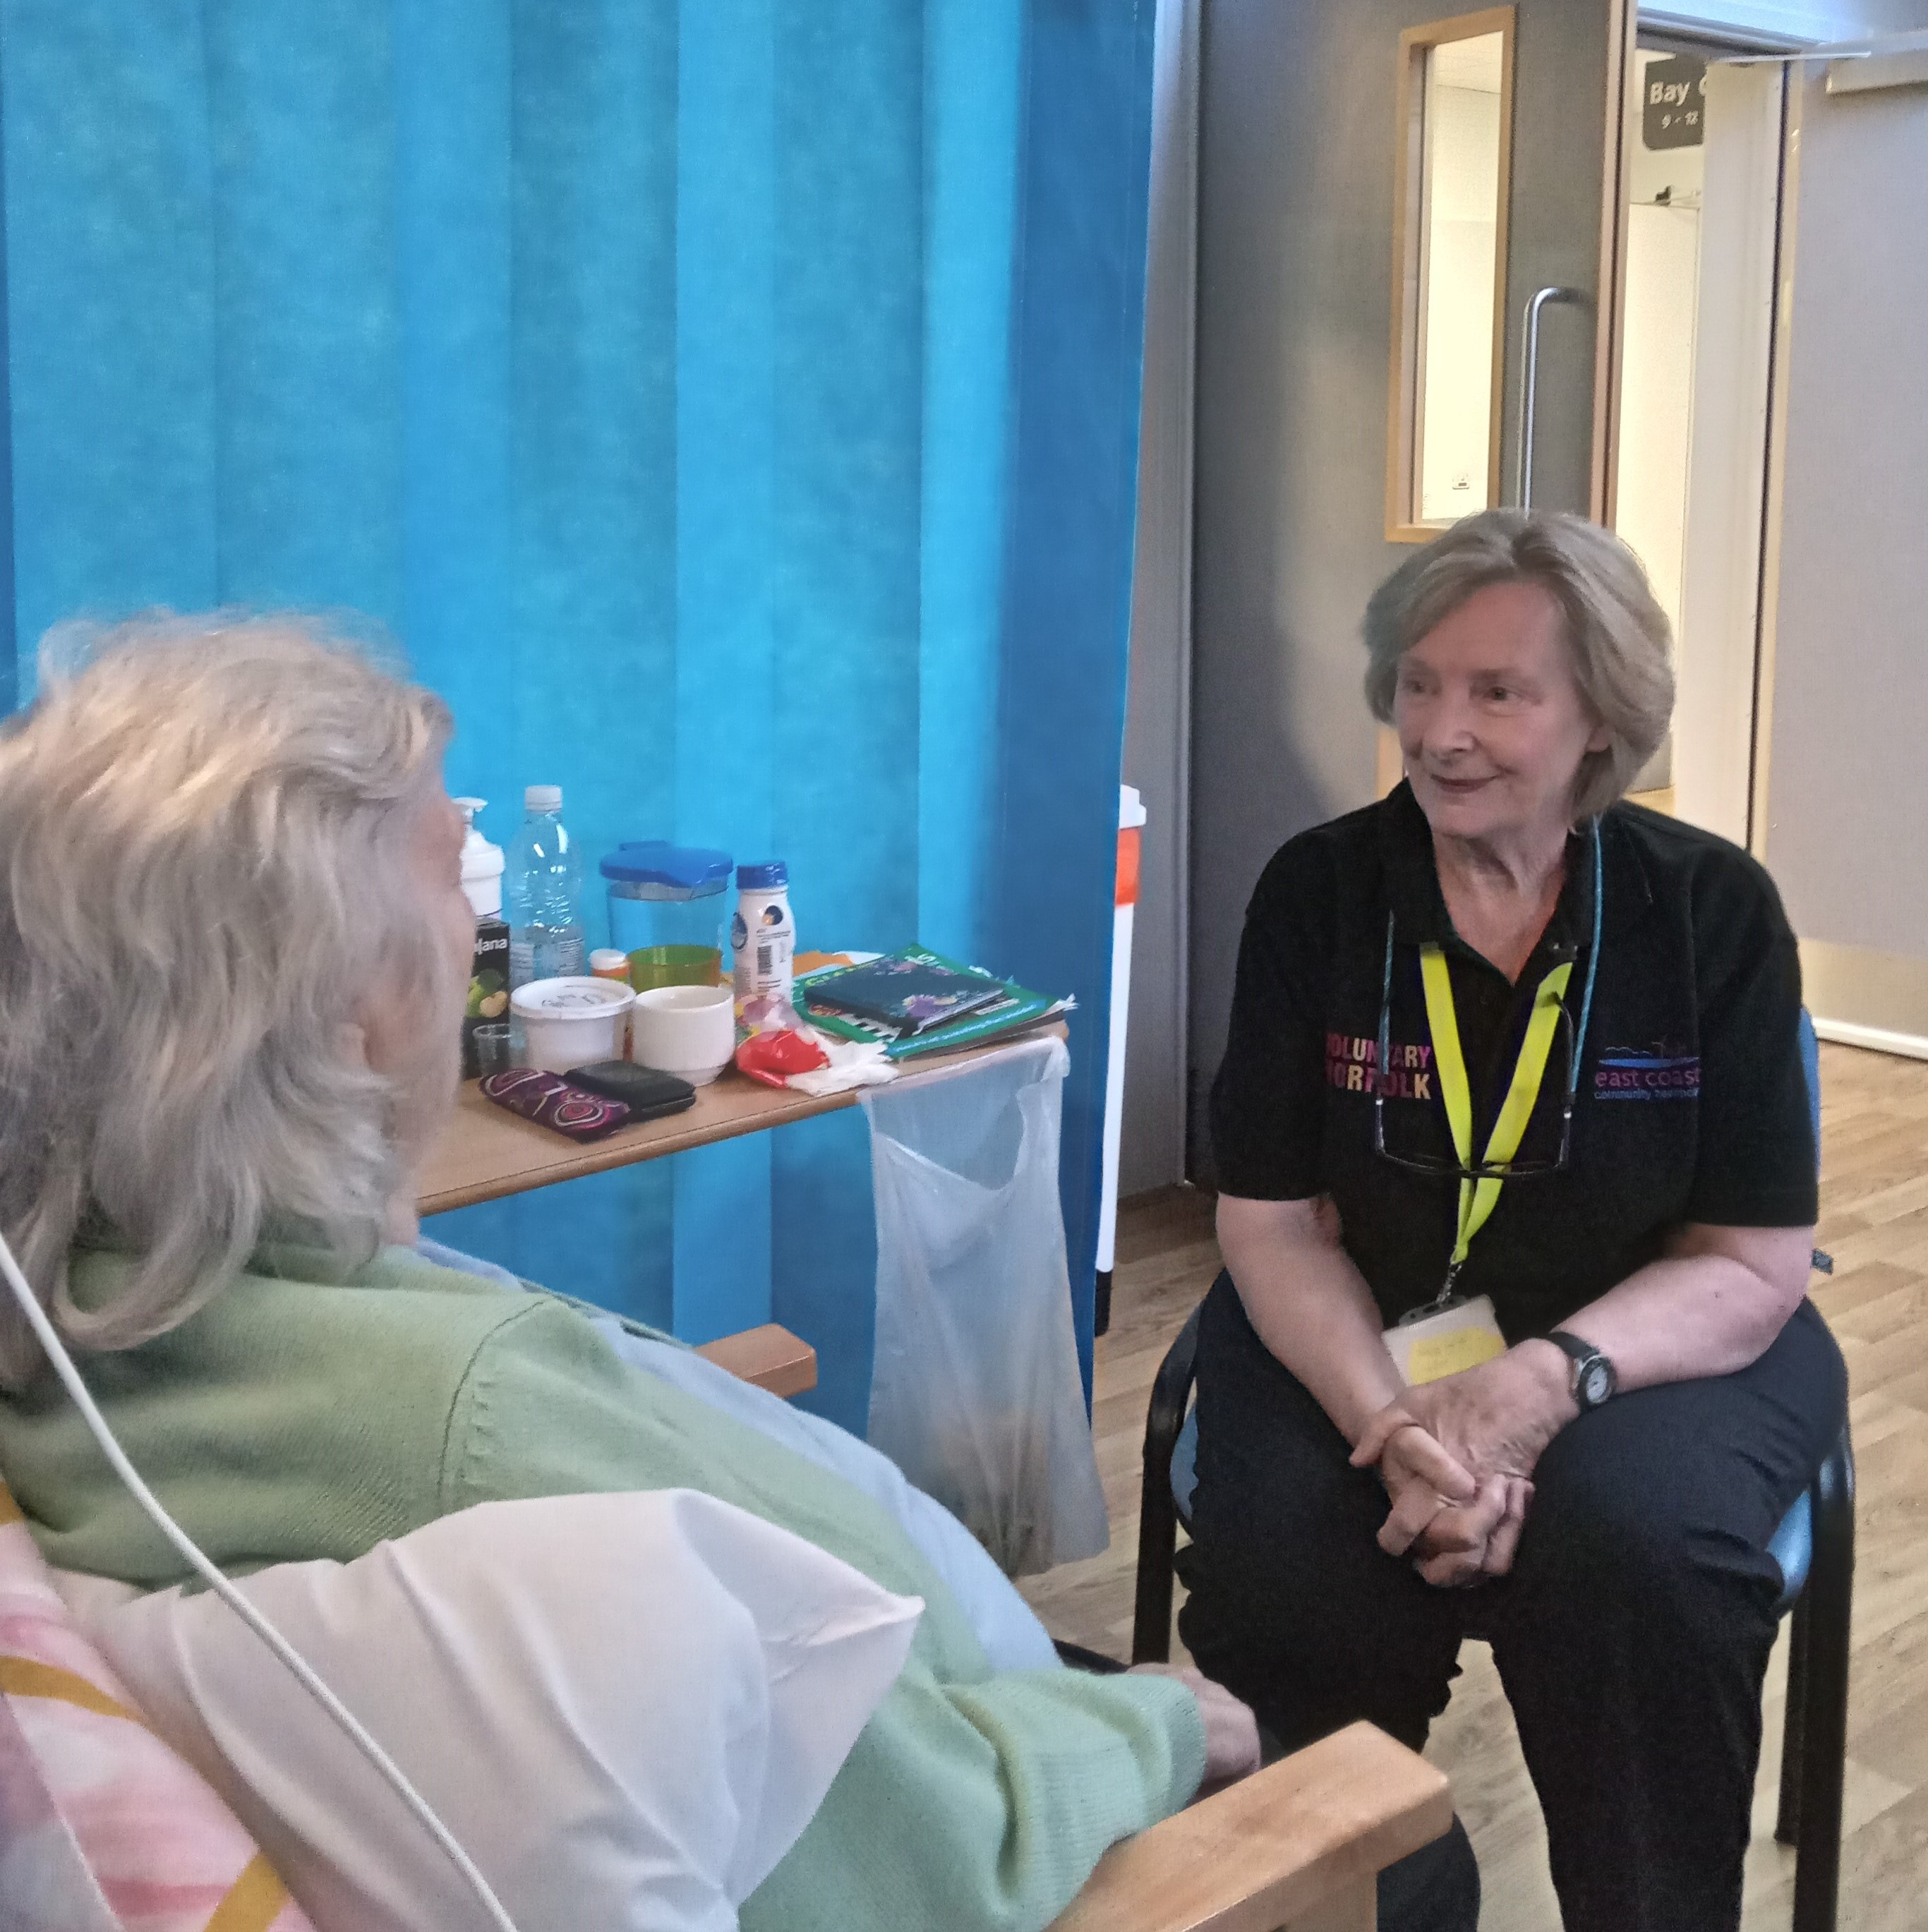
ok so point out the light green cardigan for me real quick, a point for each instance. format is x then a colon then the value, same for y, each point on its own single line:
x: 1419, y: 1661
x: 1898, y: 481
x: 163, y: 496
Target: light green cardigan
x: 298, y: 1417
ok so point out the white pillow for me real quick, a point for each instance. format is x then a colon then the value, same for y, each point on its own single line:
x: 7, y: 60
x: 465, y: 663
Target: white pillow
x: 626, y: 1708
x: 1003, y: 1624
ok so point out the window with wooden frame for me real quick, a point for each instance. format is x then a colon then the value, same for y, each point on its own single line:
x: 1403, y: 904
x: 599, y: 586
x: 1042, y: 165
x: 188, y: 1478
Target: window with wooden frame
x: 1454, y: 162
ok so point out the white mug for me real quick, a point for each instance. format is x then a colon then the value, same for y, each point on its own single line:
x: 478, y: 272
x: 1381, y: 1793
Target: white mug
x: 690, y: 1031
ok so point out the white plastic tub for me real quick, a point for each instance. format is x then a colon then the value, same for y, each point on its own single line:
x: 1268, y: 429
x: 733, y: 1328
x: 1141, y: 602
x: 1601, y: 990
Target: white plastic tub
x: 571, y: 1023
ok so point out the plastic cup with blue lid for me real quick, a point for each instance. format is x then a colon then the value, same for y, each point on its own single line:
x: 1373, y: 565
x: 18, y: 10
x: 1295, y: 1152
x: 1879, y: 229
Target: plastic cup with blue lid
x: 667, y: 911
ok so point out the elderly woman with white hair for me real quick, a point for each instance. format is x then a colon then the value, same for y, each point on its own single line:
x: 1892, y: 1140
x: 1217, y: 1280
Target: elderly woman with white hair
x: 1518, y: 1194
x: 233, y: 952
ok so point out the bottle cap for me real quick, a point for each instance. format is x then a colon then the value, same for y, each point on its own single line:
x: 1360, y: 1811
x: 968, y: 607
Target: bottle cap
x: 606, y: 960
x: 766, y: 876
x: 542, y: 798
x: 481, y: 863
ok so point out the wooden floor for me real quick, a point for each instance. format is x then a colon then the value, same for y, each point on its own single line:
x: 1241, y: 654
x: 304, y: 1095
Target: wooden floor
x: 1875, y: 1221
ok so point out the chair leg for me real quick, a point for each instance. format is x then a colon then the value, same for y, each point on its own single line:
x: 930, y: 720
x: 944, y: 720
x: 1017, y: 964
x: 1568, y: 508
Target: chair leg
x: 1157, y: 1549
x: 1158, y: 1509
x: 1787, y: 1818
x: 1824, y: 1753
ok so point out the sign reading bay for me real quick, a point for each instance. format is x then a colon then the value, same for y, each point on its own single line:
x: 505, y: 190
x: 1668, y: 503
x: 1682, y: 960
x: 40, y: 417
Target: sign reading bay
x: 1672, y: 112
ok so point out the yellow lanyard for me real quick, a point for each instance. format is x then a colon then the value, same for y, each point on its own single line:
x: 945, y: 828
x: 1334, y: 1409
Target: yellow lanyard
x: 1478, y: 1198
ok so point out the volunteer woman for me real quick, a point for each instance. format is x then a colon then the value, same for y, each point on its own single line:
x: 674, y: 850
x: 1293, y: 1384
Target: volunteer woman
x: 1502, y: 1043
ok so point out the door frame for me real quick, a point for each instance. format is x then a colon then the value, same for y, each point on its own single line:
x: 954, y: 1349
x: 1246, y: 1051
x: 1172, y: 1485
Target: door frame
x: 1405, y: 382
x: 1608, y: 336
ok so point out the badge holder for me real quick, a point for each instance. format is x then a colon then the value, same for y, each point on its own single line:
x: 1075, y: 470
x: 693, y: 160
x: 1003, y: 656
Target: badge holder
x: 1444, y: 1337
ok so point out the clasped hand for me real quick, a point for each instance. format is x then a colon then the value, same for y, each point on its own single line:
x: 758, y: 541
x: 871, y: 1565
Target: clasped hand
x: 1456, y: 1457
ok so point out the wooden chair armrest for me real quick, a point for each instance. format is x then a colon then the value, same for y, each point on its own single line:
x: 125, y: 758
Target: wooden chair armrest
x: 770, y: 1356
x: 1299, y: 1844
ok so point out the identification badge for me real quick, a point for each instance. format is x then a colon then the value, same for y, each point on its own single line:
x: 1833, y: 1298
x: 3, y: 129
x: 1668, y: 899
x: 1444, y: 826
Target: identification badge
x: 1441, y: 1342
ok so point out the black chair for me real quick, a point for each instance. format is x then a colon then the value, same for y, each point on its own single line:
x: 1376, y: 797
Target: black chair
x: 1814, y: 1546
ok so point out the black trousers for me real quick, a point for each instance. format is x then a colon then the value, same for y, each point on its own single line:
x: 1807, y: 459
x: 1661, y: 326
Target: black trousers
x: 1632, y: 1637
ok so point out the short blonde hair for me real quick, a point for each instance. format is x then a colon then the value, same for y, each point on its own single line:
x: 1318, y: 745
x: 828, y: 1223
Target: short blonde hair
x: 1615, y: 629
x: 204, y: 831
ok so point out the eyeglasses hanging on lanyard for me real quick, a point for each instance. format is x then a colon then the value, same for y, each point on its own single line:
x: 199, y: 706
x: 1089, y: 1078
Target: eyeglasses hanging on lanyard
x: 1480, y: 1179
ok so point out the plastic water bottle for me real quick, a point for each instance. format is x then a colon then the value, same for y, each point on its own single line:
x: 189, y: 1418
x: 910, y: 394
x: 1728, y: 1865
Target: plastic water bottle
x: 544, y: 880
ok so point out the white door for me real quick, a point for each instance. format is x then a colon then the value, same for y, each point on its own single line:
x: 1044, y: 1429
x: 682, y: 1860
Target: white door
x: 1713, y: 766
x: 1701, y: 199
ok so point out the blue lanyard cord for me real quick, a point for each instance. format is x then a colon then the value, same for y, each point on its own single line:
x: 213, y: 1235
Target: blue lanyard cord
x: 1593, y: 961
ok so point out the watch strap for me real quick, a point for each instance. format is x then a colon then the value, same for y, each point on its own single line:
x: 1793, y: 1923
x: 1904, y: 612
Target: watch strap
x: 1583, y: 1355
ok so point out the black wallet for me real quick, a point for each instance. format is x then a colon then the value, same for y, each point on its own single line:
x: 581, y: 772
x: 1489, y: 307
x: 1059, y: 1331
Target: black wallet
x: 645, y: 1092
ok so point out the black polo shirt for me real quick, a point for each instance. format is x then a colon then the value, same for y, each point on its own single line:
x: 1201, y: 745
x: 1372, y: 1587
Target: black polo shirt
x: 1693, y: 1102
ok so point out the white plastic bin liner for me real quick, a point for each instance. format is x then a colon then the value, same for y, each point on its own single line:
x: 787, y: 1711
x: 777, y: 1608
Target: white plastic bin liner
x: 976, y: 1395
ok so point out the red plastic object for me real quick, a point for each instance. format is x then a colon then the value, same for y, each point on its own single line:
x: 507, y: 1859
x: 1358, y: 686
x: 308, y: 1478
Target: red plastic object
x: 771, y: 1057
x: 1130, y: 843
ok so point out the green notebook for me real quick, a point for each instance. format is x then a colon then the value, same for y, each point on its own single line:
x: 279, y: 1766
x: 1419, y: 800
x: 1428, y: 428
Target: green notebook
x: 1017, y: 1007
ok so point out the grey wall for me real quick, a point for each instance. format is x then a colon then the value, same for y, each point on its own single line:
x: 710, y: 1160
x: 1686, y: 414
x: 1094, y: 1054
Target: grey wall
x: 1847, y: 796
x: 1295, y: 264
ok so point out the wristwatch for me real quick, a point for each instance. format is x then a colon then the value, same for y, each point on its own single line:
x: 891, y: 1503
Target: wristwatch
x: 1591, y: 1380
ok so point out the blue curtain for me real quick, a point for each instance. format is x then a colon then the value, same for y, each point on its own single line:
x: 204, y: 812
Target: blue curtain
x: 729, y: 407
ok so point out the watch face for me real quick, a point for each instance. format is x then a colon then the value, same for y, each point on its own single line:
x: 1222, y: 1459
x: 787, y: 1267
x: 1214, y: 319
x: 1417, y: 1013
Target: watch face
x: 1597, y: 1383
